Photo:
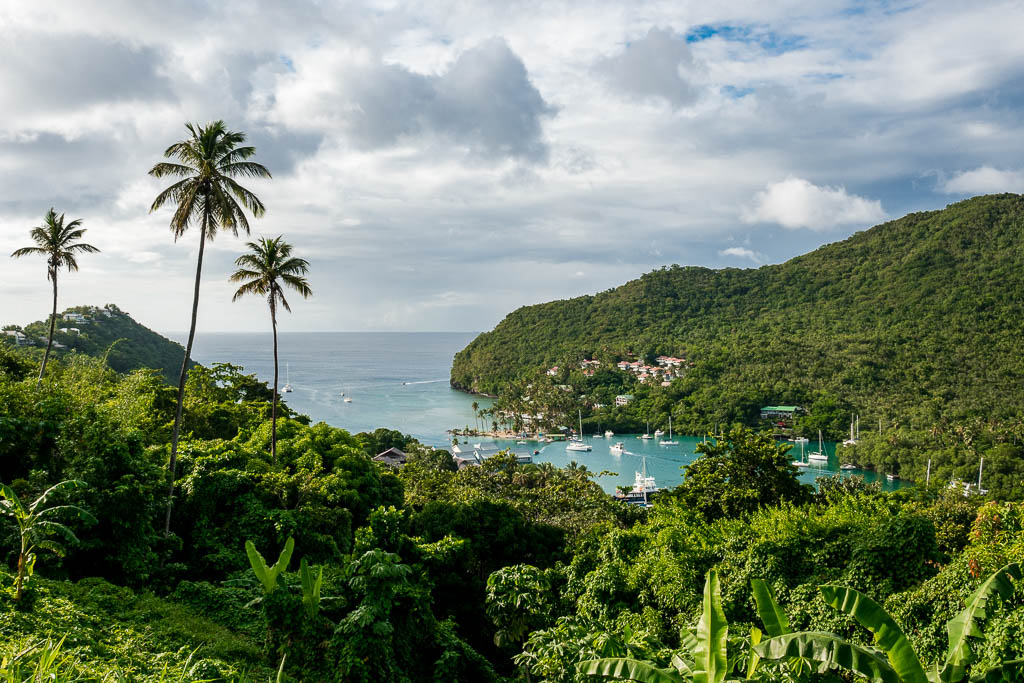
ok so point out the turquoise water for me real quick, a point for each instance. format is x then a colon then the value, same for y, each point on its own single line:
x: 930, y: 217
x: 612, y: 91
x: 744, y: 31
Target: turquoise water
x: 399, y: 380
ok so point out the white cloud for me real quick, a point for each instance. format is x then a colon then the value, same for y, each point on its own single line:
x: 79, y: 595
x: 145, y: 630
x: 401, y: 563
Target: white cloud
x: 984, y: 180
x: 797, y: 203
x: 744, y: 253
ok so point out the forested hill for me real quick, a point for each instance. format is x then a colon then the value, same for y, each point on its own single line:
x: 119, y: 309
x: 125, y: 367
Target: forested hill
x: 926, y: 311
x: 136, y: 346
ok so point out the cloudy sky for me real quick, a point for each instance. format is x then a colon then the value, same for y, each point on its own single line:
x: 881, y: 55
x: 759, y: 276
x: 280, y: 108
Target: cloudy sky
x: 442, y: 163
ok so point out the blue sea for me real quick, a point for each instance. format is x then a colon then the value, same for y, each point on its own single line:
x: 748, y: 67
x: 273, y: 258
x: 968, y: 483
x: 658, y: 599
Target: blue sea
x: 399, y: 380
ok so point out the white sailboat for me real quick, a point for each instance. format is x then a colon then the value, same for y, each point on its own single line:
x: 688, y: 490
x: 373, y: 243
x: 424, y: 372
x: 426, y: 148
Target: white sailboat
x: 802, y: 462
x: 669, y: 442
x: 852, y: 441
x: 577, y: 444
x: 820, y: 455
x: 647, y: 434
x: 287, y: 388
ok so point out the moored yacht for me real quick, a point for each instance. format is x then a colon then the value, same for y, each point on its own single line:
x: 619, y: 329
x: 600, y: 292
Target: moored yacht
x: 608, y: 433
x: 643, y: 487
x: 576, y: 443
x: 820, y: 455
x: 618, y: 448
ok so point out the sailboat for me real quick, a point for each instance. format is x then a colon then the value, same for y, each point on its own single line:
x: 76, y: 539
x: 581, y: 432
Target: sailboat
x: 577, y: 443
x: 820, y: 455
x: 802, y: 462
x: 647, y: 435
x: 852, y: 441
x: 670, y: 442
x: 287, y: 388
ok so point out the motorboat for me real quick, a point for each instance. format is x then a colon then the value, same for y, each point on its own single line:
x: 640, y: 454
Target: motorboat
x: 618, y: 448
x: 847, y: 466
x: 608, y: 433
x: 643, y: 487
x: 658, y: 433
x: 347, y: 399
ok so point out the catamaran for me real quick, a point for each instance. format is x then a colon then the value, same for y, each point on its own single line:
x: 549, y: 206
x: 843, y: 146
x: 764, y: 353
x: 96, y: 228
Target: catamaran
x: 576, y: 444
x: 287, y: 388
x: 820, y: 455
x: 669, y: 442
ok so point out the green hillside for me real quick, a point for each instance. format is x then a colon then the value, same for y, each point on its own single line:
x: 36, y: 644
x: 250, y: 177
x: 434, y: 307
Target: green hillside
x: 139, y: 346
x: 918, y: 317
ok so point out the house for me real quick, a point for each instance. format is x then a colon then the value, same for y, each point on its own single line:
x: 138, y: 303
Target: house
x: 75, y: 317
x: 553, y: 371
x: 19, y: 337
x: 623, y: 399
x: 70, y: 330
x: 392, y: 457
x: 779, y: 412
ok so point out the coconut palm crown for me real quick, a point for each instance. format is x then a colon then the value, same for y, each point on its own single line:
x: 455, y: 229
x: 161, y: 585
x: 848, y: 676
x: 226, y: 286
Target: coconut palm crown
x: 58, y: 242
x: 265, y: 270
x: 206, y: 164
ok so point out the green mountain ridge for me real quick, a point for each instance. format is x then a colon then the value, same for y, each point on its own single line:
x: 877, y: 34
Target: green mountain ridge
x: 111, y: 332
x: 919, y: 316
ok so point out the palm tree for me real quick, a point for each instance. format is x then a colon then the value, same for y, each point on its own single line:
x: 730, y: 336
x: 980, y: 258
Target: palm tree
x: 207, y: 193
x: 262, y: 271
x: 56, y: 241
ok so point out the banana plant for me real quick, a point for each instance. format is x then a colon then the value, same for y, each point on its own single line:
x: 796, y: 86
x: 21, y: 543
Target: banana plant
x: 268, y: 575
x: 894, y: 660
x: 710, y: 662
x: 38, y: 524
x: 310, y: 589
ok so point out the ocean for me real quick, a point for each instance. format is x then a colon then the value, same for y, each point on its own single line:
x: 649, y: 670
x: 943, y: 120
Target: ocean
x: 399, y: 380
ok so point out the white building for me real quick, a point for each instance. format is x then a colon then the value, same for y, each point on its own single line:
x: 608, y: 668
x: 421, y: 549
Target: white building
x: 75, y: 317
x: 623, y: 399
x: 19, y: 337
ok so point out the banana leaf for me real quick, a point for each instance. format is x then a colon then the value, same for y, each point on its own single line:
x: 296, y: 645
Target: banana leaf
x: 710, y: 657
x: 888, y: 635
x: 628, y: 670
x: 775, y: 621
x: 967, y: 624
x: 831, y: 651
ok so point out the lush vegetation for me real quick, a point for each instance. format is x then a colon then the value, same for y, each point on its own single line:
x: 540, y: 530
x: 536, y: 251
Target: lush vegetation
x: 354, y: 571
x: 109, y: 333
x: 915, y: 325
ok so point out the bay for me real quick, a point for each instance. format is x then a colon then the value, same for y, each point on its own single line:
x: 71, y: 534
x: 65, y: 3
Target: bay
x: 399, y: 380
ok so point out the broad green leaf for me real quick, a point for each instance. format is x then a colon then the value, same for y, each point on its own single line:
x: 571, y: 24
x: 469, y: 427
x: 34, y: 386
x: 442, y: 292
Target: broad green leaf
x: 775, y: 621
x: 310, y: 588
x: 888, y: 635
x: 56, y: 488
x: 628, y: 670
x: 688, y: 640
x: 831, y: 651
x: 710, y: 657
x: 8, y: 494
x: 268, y: 575
x: 683, y: 666
x: 754, y: 660
x: 967, y: 624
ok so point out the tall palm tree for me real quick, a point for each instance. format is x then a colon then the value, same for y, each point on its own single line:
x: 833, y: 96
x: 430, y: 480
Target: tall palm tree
x: 57, y: 242
x: 207, y: 163
x: 262, y: 271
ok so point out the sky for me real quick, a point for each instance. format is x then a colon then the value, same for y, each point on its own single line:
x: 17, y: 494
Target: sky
x: 443, y: 163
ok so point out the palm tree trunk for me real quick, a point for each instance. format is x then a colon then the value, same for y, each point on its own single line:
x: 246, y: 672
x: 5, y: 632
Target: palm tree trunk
x: 53, y: 323
x: 273, y: 409
x: 181, y: 377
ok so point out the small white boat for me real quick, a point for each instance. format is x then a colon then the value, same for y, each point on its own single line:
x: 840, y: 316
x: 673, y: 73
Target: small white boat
x: 658, y: 432
x: 891, y: 477
x: 618, y: 448
x: 347, y: 400
x: 820, y: 455
x: 802, y: 462
x: 801, y: 439
x: 608, y: 433
x: 669, y: 441
x: 647, y: 434
x: 852, y: 441
x: 577, y: 444
x: 287, y: 388
x: 847, y: 466
x: 520, y: 443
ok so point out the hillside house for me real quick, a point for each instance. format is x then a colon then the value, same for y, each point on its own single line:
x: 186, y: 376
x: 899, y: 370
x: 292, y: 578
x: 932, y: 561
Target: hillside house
x: 392, y: 457
x: 785, y: 413
x: 623, y: 399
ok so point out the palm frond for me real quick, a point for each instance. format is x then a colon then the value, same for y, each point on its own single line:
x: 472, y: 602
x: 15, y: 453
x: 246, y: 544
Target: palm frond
x: 248, y: 169
x: 248, y: 199
x: 164, y: 168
